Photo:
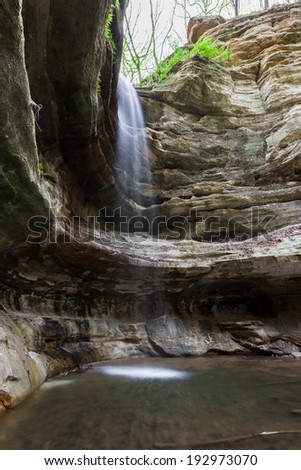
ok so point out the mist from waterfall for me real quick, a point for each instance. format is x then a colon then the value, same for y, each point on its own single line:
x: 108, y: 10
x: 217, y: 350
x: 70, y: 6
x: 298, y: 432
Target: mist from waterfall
x: 132, y: 150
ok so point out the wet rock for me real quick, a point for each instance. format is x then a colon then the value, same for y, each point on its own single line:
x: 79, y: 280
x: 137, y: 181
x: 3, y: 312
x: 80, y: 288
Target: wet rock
x: 21, y: 195
x: 222, y: 273
x: 21, y: 371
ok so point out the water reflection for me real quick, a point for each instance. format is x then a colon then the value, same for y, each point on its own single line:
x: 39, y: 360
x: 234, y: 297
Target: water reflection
x: 142, y: 372
x: 130, y: 405
x: 57, y: 383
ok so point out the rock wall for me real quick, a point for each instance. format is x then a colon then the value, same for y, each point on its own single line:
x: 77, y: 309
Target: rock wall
x: 73, y: 73
x: 225, y: 138
x: 21, y: 195
x: 57, y: 119
x: 221, y: 273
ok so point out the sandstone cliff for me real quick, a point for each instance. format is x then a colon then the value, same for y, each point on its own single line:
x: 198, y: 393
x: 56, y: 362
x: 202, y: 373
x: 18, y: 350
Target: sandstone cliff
x: 223, y: 273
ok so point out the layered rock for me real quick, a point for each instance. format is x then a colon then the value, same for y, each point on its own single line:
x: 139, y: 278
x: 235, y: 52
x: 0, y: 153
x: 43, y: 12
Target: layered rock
x: 221, y: 273
x: 225, y: 139
x: 54, y: 134
x: 198, y: 25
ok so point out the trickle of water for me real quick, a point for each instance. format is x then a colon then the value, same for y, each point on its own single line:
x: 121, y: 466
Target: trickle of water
x: 132, y: 151
x: 57, y: 383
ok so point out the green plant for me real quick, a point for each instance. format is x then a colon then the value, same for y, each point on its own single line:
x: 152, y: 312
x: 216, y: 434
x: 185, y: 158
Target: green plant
x: 42, y: 170
x: 108, y: 30
x: 99, y: 86
x: 202, y: 48
x: 44, y: 173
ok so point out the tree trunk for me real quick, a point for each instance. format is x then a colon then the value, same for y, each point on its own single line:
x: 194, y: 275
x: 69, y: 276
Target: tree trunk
x: 237, y: 7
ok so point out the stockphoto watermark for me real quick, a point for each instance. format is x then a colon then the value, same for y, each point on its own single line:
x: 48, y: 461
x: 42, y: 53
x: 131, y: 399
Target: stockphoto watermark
x: 112, y: 223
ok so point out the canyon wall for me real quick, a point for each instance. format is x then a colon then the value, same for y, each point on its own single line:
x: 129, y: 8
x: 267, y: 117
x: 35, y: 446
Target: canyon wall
x: 221, y: 271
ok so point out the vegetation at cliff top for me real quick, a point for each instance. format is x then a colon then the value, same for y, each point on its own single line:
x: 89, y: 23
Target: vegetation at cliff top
x: 152, y: 27
x: 202, y: 48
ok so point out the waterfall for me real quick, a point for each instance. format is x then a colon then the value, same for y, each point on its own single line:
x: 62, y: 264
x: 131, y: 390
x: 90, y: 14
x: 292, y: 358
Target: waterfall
x: 135, y: 178
x: 132, y: 151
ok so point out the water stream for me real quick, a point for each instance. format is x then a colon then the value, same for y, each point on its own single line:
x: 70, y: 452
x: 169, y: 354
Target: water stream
x: 132, y: 152
x: 141, y: 404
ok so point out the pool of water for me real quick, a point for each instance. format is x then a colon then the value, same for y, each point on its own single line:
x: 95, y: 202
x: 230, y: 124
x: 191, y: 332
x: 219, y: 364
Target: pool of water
x: 204, y: 403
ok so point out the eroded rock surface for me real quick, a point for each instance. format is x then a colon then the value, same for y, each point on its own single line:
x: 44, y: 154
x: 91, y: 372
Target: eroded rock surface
x: 21, y: 194
x: 198, y: 25
x: 225, y: 138
x: 223, y: 274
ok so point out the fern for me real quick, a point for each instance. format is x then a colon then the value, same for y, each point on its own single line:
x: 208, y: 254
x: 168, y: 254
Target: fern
x: 108, y: 30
